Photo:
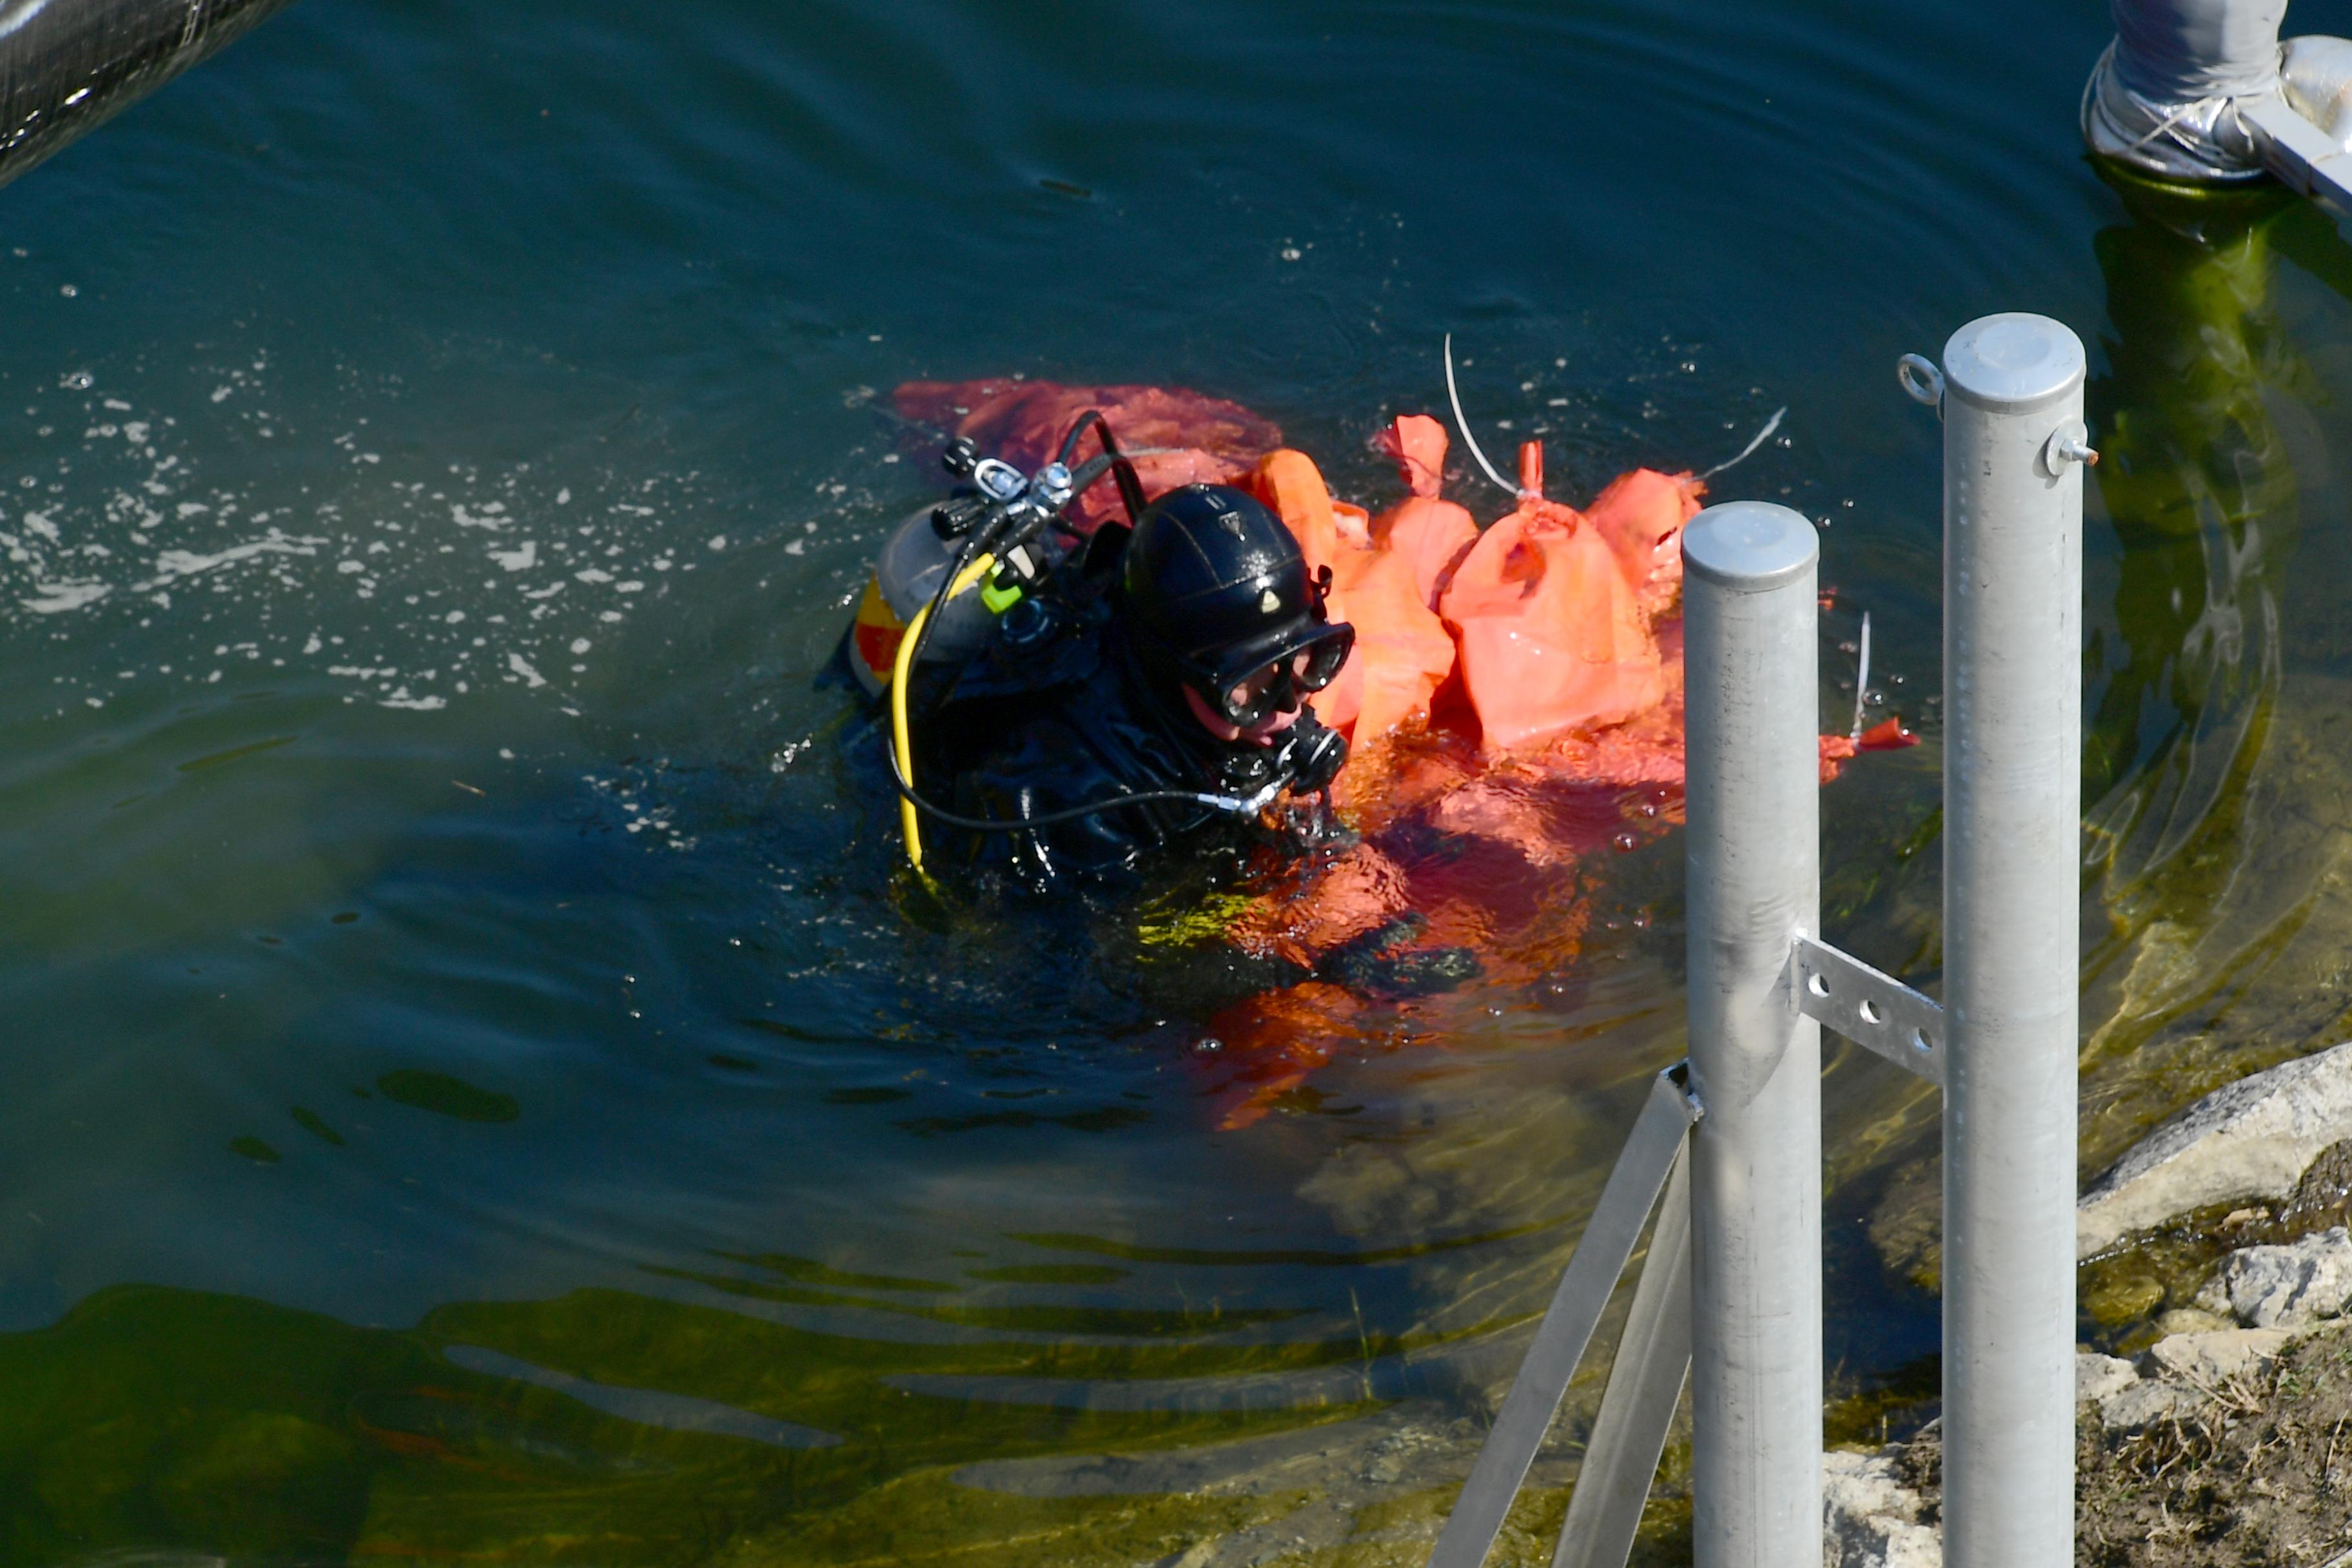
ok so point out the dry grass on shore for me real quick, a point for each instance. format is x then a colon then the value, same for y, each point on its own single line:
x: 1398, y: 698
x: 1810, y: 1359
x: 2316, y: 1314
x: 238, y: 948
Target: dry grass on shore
x: 2261, y: 1473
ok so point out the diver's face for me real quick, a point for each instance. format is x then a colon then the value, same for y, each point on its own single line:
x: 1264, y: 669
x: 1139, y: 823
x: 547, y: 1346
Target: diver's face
x: 1274, y: 689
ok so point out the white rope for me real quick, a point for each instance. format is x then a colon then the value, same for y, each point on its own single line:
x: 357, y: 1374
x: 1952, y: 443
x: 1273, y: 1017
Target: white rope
x: 2195, y: 147
x: 1454, y: 395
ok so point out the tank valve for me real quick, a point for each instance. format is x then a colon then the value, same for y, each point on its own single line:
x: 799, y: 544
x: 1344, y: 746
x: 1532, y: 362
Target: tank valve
x: 1052, y: 486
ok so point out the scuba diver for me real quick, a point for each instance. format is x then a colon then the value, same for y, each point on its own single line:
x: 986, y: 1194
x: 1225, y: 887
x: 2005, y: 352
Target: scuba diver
x: 1071, y: 701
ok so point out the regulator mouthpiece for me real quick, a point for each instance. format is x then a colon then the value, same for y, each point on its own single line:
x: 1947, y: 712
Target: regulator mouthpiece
x: 1313, y: 754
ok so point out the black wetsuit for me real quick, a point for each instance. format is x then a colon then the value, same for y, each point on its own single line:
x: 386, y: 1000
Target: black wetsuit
x: 1041, y: 723
x: 1057, y: 713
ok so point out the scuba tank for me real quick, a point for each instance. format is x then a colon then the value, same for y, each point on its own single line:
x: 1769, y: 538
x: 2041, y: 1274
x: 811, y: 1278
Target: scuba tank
x: 907, y: 576
x: 923, y: 549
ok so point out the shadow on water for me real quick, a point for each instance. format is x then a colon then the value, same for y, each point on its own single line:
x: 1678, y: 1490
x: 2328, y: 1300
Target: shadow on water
x: 2215, y: 774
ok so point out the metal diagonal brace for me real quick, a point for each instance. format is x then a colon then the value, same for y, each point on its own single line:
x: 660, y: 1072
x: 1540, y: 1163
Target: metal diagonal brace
x: 1646, y: 1384
x: 1659, y: 1136
x: 1875, y: 1010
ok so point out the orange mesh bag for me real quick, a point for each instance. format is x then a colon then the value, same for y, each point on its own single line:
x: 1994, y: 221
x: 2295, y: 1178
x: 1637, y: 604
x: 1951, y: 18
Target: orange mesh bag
x: 1403, y: 652
x: 1554, y: 636
x: 1289, y: 482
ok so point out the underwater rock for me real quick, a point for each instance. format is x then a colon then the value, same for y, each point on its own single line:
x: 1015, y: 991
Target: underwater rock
x: 1906, y: 1223
x: 2253, y: 1138
x: 2097, y: 1375
x: 2294, y: 1286
x: 1870, y: 1517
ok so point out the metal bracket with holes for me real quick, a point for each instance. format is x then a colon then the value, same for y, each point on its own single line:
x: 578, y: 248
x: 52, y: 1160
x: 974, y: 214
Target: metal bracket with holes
x: 1876, y: 1011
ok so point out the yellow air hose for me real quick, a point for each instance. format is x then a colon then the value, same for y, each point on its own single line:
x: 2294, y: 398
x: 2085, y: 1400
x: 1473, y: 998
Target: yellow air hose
x: 902, y: 748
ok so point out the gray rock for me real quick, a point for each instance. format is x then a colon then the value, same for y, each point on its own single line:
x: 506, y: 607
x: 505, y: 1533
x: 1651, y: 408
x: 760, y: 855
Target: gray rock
x: 2147, y: 1402
x: 1870, y: 1519
x: 2209, y: 1360
x: 2250, y: 1140
x: 2096, y: 1376
x: 2291, y: 1287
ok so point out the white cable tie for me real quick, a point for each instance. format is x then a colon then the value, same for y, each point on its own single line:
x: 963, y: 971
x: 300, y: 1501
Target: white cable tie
x: 1749, y: 450
x: 1455, y: 395
x: 1862, y: 676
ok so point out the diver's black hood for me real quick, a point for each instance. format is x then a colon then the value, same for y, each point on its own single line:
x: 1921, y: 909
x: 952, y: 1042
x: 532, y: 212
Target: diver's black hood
x: 1212, y: 579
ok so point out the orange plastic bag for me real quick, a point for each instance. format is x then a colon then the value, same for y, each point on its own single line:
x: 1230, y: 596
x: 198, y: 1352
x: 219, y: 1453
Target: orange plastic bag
x: 1433, y: 535
x: 1404, y: 652
x: 1641, y: 514
x: 1552, y: 609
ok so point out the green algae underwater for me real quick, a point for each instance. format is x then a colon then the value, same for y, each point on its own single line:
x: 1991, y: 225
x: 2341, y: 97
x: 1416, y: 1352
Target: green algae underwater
x: 478, y: 1086
x: 228, y: 1426
x: 229, y: 1429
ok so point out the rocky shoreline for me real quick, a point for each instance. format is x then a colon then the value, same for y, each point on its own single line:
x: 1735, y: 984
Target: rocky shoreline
x: 2216, y: 1399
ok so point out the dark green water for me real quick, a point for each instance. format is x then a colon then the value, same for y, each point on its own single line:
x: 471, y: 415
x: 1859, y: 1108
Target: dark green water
x: 478, y: 1083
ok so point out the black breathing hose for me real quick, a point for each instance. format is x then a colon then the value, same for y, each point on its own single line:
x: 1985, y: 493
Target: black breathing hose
x: 1233, y: 804
x: 1131, y: 488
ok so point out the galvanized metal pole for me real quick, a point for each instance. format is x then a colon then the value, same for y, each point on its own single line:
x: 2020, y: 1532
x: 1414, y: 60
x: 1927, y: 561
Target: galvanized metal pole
x: 2013, y: 799
x: 1754, y: 867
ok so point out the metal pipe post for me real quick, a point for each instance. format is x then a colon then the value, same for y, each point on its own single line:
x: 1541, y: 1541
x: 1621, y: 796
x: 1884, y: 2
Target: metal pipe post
x: 2177, y: 51
x: 1754, y: 867
x: 2012, y: 801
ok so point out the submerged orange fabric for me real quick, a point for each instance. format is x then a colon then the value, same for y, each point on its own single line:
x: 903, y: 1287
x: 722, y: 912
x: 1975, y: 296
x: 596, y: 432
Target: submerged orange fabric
x: 1174, y: 436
